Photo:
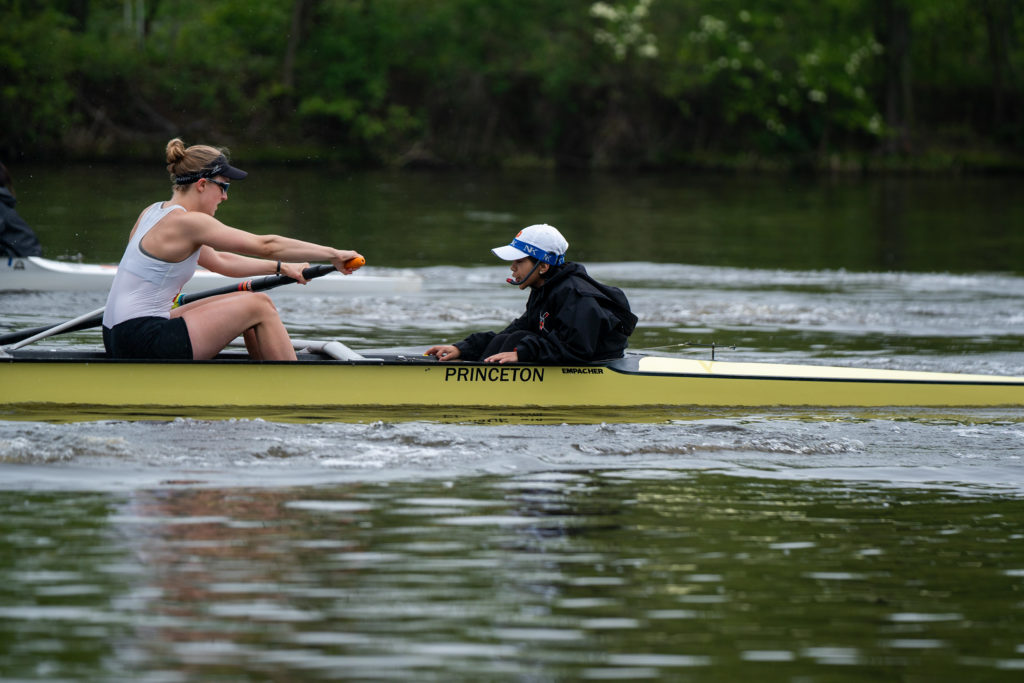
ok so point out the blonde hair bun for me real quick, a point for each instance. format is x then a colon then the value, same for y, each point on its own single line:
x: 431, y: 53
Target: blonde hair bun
x: 175, y: 151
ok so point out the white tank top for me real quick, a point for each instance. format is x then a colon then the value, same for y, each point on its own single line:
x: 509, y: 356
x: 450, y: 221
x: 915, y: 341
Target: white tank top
x: 145, y: 285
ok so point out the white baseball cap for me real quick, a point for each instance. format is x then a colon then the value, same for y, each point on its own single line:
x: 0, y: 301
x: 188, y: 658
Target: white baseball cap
x: 542, y: 242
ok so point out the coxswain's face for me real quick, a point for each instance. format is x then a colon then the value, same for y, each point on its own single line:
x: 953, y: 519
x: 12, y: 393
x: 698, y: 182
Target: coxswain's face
x: 522, y: 267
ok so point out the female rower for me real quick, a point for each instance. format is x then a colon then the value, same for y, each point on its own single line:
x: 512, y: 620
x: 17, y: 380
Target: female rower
x: 168, y: 241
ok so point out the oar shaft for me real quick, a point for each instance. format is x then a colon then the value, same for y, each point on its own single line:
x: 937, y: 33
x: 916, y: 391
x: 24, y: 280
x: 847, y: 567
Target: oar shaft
x: 13, y: 337
x: 258, y: 285
x: 78, y: 323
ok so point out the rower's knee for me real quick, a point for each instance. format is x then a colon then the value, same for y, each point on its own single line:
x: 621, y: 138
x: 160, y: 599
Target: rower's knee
x: 263, y: 303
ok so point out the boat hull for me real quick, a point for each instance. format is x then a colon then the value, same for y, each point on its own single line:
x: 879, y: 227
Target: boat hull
x: 234, y: 387
x: 36, y: 274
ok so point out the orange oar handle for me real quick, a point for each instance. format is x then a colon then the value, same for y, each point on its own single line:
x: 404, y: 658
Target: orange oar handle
x: 357, y: 262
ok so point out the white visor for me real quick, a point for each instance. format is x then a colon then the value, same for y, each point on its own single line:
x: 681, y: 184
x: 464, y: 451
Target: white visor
x: 509, y: 253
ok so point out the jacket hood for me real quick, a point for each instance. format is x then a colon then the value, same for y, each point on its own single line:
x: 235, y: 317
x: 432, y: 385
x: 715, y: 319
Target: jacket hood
x: 615, y: 298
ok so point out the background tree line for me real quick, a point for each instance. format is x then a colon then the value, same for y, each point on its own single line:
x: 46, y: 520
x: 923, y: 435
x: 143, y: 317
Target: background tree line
x: 574, y: 83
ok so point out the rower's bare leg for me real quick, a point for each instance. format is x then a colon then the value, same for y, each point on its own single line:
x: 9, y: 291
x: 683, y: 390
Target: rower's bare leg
x: 252, y: 344
x: 214, y: 322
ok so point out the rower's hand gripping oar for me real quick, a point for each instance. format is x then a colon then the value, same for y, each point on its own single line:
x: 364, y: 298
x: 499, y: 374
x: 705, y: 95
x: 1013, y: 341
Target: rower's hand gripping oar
x: 95, y: 318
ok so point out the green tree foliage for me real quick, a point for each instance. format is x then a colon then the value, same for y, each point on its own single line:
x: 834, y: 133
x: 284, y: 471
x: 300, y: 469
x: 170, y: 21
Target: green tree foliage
x: 764, y: 82
x: 35, y: 59
x: 613, y: 83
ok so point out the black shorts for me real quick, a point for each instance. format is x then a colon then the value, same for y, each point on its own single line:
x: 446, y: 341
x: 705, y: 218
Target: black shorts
x: 149, y: 337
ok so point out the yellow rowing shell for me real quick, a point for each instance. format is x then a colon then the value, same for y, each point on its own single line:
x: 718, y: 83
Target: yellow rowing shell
x: 231, y: 385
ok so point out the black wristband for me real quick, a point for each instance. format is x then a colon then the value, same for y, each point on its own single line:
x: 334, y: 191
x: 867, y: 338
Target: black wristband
x: 278, y: 268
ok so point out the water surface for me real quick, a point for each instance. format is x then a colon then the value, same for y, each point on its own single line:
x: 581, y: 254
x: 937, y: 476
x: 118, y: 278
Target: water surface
x: 806, y: 544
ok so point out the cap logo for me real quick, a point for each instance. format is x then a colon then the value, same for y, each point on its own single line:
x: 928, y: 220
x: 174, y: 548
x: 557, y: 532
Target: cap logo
x: 548, y: 257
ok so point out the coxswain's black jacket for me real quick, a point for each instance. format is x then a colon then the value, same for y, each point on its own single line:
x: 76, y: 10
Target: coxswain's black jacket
x: 571, y: 318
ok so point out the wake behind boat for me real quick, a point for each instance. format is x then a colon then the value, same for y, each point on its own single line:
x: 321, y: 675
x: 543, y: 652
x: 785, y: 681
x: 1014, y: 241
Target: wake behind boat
x: 34, y: 273
x: 331, y: 382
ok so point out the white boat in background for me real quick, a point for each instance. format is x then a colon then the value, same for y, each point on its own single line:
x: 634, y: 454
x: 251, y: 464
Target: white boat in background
x: 34, y: 273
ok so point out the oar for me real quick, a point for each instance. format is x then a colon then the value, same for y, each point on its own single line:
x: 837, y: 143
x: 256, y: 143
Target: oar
x: 95, y: 318
x: 267, y: 282
x: 81, y: 322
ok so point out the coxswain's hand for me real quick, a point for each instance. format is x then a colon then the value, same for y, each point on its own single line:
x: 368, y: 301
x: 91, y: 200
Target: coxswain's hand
x: 503, y: 357
x: 443, y: 352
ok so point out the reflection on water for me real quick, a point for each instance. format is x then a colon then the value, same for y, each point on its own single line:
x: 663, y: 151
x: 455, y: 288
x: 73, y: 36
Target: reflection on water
x: 603, y: 574
x: 422, y: 220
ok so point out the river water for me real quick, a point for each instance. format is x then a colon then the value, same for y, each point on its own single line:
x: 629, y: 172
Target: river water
x: 780, y: 545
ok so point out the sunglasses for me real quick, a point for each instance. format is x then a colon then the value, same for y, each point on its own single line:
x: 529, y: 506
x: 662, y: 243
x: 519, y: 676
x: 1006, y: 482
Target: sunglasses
x: 221, y: 184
